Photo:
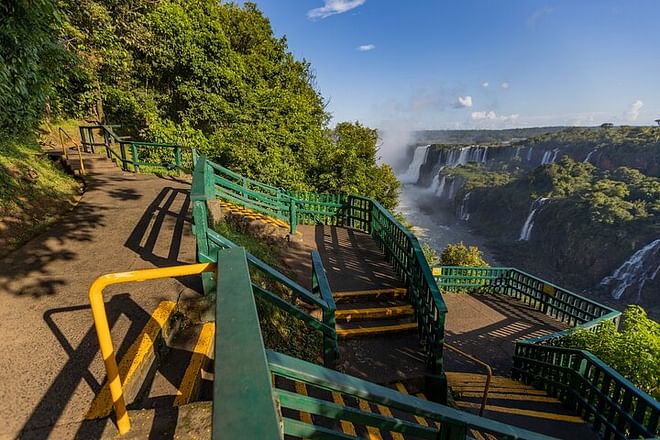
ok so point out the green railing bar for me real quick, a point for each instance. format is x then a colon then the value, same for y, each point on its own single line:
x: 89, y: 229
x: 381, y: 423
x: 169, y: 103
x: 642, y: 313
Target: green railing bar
x: 318, y: 376
x: 304, y: 430
x: 297, y: 289
x: 243, y: 404
x: 339, y: 412
x: 321, y: 286
x: 293, y: 310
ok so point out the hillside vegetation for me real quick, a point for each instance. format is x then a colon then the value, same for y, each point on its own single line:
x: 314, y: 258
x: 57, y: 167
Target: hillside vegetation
x: 33, y: 191
x: 206, y: 74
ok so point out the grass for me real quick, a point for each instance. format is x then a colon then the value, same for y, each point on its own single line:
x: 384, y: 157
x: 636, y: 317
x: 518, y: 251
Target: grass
x: 34, y: 191
x: 281, y: 331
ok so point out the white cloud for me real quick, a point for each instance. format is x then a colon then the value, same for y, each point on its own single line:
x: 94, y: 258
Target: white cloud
x: 485, y: 84
x: 477, y: 116
x: 366, y: 47
x: 505, y: 85
x: 332, y: 7
x: 464, y: 102
x: 635, y: 108
x: 492, y: 116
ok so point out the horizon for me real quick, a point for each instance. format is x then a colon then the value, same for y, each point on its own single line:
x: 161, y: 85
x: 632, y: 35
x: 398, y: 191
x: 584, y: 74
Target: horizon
x: 476, y: 64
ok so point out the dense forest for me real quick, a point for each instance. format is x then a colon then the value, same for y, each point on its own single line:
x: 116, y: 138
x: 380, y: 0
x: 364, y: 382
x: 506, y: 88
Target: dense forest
x: 206, y: 74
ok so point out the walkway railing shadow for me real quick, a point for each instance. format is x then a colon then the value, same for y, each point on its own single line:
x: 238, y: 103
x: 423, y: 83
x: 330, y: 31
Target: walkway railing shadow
x: 76, y: 371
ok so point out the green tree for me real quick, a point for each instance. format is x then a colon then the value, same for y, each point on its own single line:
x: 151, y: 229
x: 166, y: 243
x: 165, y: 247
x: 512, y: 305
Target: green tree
x: 30, y: 53
x: 460, y: 255
x: 349, y: 165
x: 634, y: 352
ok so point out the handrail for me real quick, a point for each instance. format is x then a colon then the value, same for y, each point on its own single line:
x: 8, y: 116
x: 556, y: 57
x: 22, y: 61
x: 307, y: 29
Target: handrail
x: 321, y: 285
x: 454, y: 423
x: 489, y: 373
x: 410, y: 264
x: 103, y: 328
x: 243, y: 403
x: 614, y: 405
x: 65, y: 152
x: 110, y: 137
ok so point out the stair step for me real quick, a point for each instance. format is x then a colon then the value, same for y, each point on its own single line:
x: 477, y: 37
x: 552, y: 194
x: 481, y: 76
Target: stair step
x: 366, y: 294
x: 344, y: 331
x: 361, y: 314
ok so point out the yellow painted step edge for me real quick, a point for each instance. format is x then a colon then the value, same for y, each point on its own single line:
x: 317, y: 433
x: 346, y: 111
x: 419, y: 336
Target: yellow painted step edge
x: 507, y: 396
x: 346, y: 427
x: 359, y: 293
x: 191, y: 377
x: 375, y: 312
x: 524, y: 412
x: 375, y: 330
x: 137, y: 353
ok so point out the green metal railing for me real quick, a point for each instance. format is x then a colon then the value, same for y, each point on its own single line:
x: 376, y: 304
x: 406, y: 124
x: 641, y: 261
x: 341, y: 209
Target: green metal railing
x: 403, y: 251
x: 209, y: 242
x: 132, y: 154
x: 400, y: 246
x: 247, y: 403
x: 615, y: 406
x: 453, y: 424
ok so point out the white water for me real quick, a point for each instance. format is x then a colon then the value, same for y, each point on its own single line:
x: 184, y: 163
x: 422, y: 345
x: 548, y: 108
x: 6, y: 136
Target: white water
x: 437, y: 225
x: 550, y: 156
x: 463, y: 213
x: 517, y: 155
x: 526, y: 231
x: 529, y: 154
x: 586, y: 159
x: 454, y: 157
x: 638, y: 268
x: 419, y: 158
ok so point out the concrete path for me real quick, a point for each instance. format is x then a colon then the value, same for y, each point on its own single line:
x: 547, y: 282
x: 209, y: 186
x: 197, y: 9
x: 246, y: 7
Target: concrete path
x: 50, y: 364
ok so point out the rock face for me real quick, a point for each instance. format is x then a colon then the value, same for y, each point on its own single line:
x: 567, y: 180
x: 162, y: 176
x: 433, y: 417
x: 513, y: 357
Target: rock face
x: 551, y: 236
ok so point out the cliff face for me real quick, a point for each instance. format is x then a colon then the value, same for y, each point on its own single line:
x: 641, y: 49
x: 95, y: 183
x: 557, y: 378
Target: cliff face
x: 500, y: 192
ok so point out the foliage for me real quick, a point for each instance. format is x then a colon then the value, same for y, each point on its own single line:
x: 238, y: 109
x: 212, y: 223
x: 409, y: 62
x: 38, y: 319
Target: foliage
x: 430, y: 254
x: 634, y: 352
x: 612, y: 197
x: 349, y: 165
x: 211, y: 75
x: 30, y: 60
x: 32, y: 189
x: 460, y: 255
x: 281, y: 331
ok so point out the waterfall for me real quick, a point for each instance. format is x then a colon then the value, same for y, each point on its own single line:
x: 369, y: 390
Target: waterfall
x: 463, y: 213
x: 455, y: 157
x: 419, y: 158
x: 529, y: 154
x: 526, y: 231
x: 639, y: 268
x: 517, y: 155
x: 554, y: 156
x: 586, y: 159
x: 550, y: 156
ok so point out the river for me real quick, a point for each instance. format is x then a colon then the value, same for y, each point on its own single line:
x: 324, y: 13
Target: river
x: 437, y: 225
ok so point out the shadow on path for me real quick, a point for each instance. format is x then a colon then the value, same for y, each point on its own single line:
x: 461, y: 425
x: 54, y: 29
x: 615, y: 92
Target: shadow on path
x: 77, y: 368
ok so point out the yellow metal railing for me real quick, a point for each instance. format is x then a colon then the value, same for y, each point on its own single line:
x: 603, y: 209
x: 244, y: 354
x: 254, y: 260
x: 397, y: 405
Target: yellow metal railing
x: 485, y: 366
x: 66, y: 153
x: 103, y: 329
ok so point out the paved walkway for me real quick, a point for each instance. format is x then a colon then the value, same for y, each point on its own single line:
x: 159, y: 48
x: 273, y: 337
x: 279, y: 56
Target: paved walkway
x: 50, y: 364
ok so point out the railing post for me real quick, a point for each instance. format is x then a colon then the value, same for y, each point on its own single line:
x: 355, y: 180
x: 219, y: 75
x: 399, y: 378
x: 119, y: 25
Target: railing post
x: 134, y: 156
x: 177, y: 158
x: 106, y: 142
x: 122, y: 153
x: 293, y: 215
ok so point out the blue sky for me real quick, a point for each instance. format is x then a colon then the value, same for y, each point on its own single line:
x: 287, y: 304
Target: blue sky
x: 479, y: 63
